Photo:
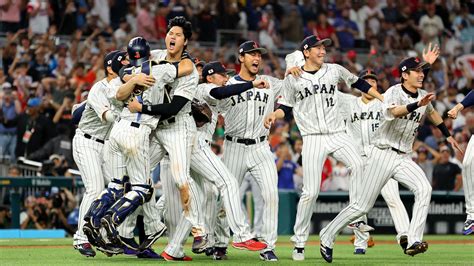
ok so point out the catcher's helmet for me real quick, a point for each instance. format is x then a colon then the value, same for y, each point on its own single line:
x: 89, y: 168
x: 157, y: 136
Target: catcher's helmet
x: 138, y: 51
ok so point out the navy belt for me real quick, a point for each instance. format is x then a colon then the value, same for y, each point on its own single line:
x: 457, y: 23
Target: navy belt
x: 246, y: 141
x: 87, y: 136
x: 135, y: 124
x: 397, y: 151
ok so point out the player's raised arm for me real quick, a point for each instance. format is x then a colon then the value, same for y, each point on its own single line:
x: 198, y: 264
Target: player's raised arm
x: 468, y: 101
x: 126, y: 89
x: 437, y: 120
x: 402, y: 110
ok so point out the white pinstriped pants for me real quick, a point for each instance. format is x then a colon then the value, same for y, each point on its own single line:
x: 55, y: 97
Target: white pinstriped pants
x: 259, y: 161
x: 468, y: 178
x: 316, y: 148
x: 384, y: 164
x: 88, y: 155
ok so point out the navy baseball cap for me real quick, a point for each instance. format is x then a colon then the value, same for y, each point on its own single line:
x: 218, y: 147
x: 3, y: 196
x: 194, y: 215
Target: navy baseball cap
x: 114, y: 60
x: 251, y: 46
x: 368, y: 73
x: 213, y: 68
x: 312, y: 41
x: 412, y: 63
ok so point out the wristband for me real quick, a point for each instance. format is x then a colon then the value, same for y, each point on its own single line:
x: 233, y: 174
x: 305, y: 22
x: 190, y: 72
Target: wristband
x: 444, y: 130
x: 412, y: 107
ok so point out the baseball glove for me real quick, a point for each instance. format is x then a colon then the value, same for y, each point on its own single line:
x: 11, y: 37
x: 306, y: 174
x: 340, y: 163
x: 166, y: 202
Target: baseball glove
x: 201, y: 112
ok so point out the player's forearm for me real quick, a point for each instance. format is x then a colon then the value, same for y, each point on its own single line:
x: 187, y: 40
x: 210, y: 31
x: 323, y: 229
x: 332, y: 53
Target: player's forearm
x: 279, y: 113
x: 230, y: 90
x: 185, y: 67
x: 125, y: 90
x: 468, y: 100
x: 374, y: 93
x: 166, y: 109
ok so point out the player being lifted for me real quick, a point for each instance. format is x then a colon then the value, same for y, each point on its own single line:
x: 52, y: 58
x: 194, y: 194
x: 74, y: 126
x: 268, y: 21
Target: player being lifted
x: 467, y: 167
x: 405, y: 104
x: 315, y: 102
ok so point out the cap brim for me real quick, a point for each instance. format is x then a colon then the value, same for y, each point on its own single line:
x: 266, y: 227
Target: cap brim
x: 422, y: 65
x: 325, y: 42
x: 260, y: 49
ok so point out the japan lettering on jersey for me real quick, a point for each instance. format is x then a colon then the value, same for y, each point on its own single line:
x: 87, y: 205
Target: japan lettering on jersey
x: 362, y: 119
x: 400, y: 133
x: 245, y: 113
x: 314, y: 99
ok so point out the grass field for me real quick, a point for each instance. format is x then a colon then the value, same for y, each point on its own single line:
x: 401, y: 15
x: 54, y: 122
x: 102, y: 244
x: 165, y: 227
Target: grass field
x: 443, y: 250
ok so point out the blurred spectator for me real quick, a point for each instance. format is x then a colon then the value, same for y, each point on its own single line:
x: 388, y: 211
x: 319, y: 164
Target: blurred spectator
x: 60, y: 208
x: 352, y: 62
x: 60, y: 145
x: 118, y: 11
x: 434, y: 139
x: 431, y: 24
x: 446, y: 175
x: 463, y: 25
x: 370, y: 15
x: 145, y: 22
x: 339, y: 180
x: 161, y: 23
x: 406, y: 24
x: 179, y: 8
x: 267, y: 34
x: 390, y: 12
x: 286, y: 167
x: 101, y: 11
x: 322, y: 29
x: 13, y: 171
x: 39, y: 12
x: 292, y: 28
x: 424, y: 161
x: 34, y: 129
x: 206, y: 24
x: 346, y: 29
x: 5, y: 217
x: 10, y: 15
x: 10, y: 109
x: 34, y: 216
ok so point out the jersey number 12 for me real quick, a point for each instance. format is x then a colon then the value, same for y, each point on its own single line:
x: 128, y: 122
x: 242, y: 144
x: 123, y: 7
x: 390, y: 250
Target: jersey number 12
x: 329, y: 102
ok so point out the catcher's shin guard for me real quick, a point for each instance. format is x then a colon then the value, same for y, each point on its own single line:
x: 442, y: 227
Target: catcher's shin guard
x: 106, y: 199
x: 129, y: 203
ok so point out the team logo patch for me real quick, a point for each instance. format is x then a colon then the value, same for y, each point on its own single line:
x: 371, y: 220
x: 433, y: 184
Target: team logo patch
x: 210, y: 71
x: 404, y: 68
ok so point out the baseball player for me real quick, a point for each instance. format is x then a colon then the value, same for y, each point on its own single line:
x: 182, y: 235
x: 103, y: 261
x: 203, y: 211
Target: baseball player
x: 126, y: 153
x: 363, y: 116
x: 315, y: 101
x: 98, y: 115
x: 206, y: 166
x: 467, y: 167
x: 405, y: 104
x: 246, y: 145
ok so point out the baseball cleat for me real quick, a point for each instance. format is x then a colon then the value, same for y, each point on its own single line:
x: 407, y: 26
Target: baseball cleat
x: 93, y: 235
x: 268, y: 256
x: 110, y: 249
x: 418, y: 247
x: 220, y: 253
x: 298, y: 254
x: 251, y: 244
x: 200, y: 244
x: 326, y: 253
x: 168, y: 257
x: 361, y: 226
x: 468, y: 227
x: 209, y: 251
x: 404, y: 242
x: 85, y: 249
x: 148, y: 242
x: 111, y: 230
x: 129, y: 251
x: 149, y: 254
x: 359, y: 251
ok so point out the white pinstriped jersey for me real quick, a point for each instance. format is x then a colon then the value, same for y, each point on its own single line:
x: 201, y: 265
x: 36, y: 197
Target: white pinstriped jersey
x: 183, y: 86
x: 203, y: 95
x: 100, y: 99
x: 314, y: 99
x: 163, y: 74
x: 362, y: 119
x: 245, y: 113
x: 400, y: 133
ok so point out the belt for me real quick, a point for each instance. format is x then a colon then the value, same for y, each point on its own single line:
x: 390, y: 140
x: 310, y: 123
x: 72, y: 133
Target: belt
x: 87, y: 136
x: 397, y: 151
x: 168, y: 121
x: 135, y: 124
x: 246, y: 141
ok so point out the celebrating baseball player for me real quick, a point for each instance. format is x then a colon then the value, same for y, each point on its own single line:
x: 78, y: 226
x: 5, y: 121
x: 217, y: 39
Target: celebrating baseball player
x: 363, y: 116
x: 405, y: 104
x: 315, y: 104
x: 97, y: 118
x: 467, y: 167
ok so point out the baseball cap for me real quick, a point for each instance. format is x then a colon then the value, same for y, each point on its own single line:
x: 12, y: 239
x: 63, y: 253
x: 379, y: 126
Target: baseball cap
x: 213, y: 68
x: 312, y: 41
x: 250, y: 46
x: 411, y: 63
x: 114, y: 60
x: 368, y: 73
x: 34, y: 102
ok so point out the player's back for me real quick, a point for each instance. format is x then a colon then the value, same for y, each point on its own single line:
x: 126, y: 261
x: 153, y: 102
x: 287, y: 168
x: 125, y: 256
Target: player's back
x: 203, y: 95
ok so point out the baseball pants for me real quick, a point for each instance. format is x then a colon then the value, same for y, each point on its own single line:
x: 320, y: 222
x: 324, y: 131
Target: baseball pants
x: 468, y: 179
x: 384, y: 164
x: 259, y: 161
x: 316, y: 148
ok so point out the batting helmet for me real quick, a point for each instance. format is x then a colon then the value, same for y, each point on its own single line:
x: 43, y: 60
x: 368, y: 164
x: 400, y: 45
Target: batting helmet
x: 138, y: 51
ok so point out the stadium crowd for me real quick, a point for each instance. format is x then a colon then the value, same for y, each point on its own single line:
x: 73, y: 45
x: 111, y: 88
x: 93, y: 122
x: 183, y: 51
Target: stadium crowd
x: 52, y: 53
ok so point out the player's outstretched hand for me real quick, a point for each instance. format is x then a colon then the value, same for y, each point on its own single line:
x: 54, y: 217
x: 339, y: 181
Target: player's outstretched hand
x: 453, y: 113
x: 431, y: 54
x: 426, y: 99
x: 134, y: 106
x: 455, y: 144
x: 269, y: 120
x: 144, y: 80
x: 260, y: 83
x: 295, y: 71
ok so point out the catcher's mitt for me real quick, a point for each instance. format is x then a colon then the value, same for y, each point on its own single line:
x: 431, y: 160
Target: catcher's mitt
x: 201, y: 112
